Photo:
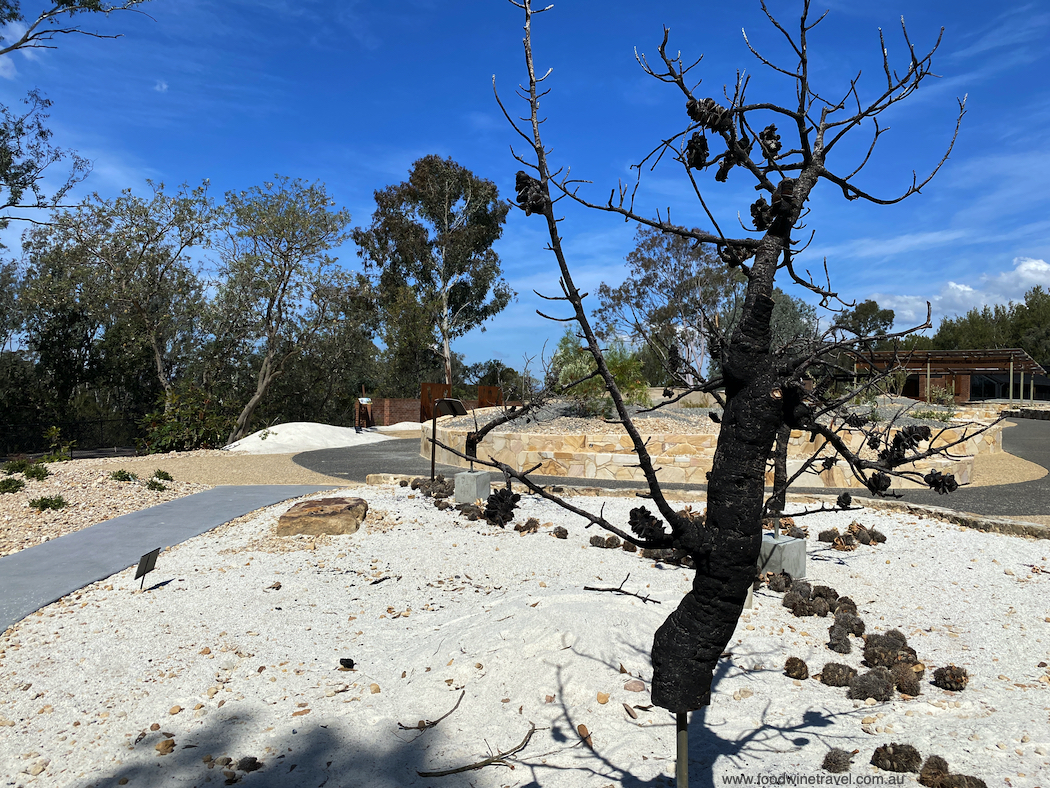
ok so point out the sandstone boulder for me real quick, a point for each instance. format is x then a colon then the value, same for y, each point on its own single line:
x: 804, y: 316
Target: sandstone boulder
x: 333, y: 516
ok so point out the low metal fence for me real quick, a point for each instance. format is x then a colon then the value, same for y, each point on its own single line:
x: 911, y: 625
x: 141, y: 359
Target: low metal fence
x: 86, y: 435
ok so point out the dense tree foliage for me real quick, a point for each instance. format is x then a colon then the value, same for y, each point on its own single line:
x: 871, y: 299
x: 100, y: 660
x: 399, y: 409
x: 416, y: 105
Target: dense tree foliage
x: 1024, y: 325
x: 431, y: 237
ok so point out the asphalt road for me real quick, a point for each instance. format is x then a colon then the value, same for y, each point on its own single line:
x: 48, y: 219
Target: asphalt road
x: 1030, y: 440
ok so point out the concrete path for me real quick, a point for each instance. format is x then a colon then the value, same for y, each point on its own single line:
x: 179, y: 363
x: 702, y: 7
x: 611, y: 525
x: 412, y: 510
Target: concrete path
x: 40, y: 575
x: 1030, y: 440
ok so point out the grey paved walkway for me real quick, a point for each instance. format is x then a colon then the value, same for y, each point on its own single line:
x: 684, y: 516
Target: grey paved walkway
x: 1030, y: 440
x: 37, y: 576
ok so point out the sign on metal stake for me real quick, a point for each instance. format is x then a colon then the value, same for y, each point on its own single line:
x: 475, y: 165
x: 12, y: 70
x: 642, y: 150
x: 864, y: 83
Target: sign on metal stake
x: 146, y: 565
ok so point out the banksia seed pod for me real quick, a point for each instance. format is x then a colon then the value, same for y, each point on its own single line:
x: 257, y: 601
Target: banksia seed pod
x: 828, y: 535
x: 934, y: 772
x: 818, y: 606
x: 896, y: 757
x: 803, y: 608
x: 951, y: 678
x: 845, y: 542
x: 796, y: 668
x: 709, y: 114
x: 791, y: 598
x: 838, y: 639
x: 530, y: 195
x: 877, y: 683
x: 500, y: 506
x: 628, y: 547
x: 796, y: 533
x: 877, y: 536
x: 853, y: 623
x: 874, y: 441
x: 844, y: 500
x: 905, y: 679
x: 558, y: 532
x: 836, y: 761
x: 644, y: 525
x: 760, y: 214
x: 779, y: 582
x: 844, y: 603
x: 878, y: 484
x: 769, y: 140
x: 696, y: 151
x: 943, y: 483
x: 727, y: 163
x: 802, y: 588
x: 835, y: 674
x: 827, y: 592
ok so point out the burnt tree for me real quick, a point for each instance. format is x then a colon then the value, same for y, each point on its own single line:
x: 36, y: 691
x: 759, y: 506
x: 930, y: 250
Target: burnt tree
x: 767, y: 391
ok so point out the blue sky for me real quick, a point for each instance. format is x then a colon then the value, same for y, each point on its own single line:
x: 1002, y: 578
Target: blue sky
x: 351, y: 93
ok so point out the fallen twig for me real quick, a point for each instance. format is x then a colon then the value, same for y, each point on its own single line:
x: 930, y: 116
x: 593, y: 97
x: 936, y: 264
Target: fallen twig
x: 619, y: 590
x: 496, y: 760
x: 423, y: 725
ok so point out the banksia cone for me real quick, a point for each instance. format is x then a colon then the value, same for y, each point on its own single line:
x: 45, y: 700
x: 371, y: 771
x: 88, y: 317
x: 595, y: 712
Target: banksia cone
x: 530, y: 195
x: 876, y: 683
x: 897, y: 758
x: 943, y: 483
x: 644, y: 525
x: 696, y: 151
x: 769, y: 140
x: 709, y: 114
x: 951, y: 678
x: 796, y: 668
x: 499, y: 509
x: 878, y: 484
x: 835, y: 674
x: 837, y: 761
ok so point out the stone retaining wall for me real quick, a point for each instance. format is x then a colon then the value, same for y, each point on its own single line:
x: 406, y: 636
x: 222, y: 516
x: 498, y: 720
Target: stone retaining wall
x: 683, y: 458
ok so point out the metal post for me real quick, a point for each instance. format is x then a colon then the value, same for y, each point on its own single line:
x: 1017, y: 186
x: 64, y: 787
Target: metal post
x: 1011, y: 379
x: 927, y: 379
x: 433, y: 435
x: 681, y: 767
x: 1031, y: 390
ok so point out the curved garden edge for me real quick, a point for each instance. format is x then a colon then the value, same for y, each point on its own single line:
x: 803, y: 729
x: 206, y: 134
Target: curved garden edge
x: 682, y: 458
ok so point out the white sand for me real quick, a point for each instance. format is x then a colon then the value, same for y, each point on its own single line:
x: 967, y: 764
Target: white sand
x: 299, y: 436
x: 428, y: 604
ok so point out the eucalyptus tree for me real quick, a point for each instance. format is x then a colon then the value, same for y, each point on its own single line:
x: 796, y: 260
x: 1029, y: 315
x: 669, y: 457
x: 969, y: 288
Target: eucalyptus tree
x: 138, y: 251
x: 278, y: 288
x: 26, y: 151
x: 434, y: 233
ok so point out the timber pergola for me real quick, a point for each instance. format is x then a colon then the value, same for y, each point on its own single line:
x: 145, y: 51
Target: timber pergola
x: 930, y: 364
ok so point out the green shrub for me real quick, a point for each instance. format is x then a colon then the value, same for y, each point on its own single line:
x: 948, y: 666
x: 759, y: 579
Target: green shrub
x: 932, y: 415
x: 36, y: 472
x: 123, y: 476
x: 194, y: 420
x: 155, y: 485
x: 590, y: 398
x: 60, y: 451
x: 16, y: 466
x: 48, y: 502
x: 164, y: 476
x: 10, y: 484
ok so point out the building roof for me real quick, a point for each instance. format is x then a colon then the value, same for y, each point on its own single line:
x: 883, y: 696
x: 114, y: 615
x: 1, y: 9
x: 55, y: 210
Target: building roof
x: 972, y: 361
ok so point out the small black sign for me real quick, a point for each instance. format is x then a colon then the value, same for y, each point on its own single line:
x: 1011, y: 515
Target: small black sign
x: 146, y: 565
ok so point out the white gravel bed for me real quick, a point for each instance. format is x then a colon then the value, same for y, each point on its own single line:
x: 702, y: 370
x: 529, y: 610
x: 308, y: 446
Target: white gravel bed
x: 91, y: 497
x: 218, y: 661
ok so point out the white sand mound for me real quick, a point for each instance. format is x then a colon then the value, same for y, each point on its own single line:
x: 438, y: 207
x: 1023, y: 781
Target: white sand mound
x: 401, y: 426
x: 303, y: 436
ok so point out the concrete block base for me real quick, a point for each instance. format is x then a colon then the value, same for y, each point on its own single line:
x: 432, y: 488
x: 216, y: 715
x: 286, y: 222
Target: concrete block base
x: 472, y: 485
x: 783, y: 554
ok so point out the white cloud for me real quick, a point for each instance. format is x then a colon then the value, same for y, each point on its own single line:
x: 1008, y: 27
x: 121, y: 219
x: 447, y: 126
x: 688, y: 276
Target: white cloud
x: 161, y: 86
x: 7, y: 68
x: 956, y: 298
